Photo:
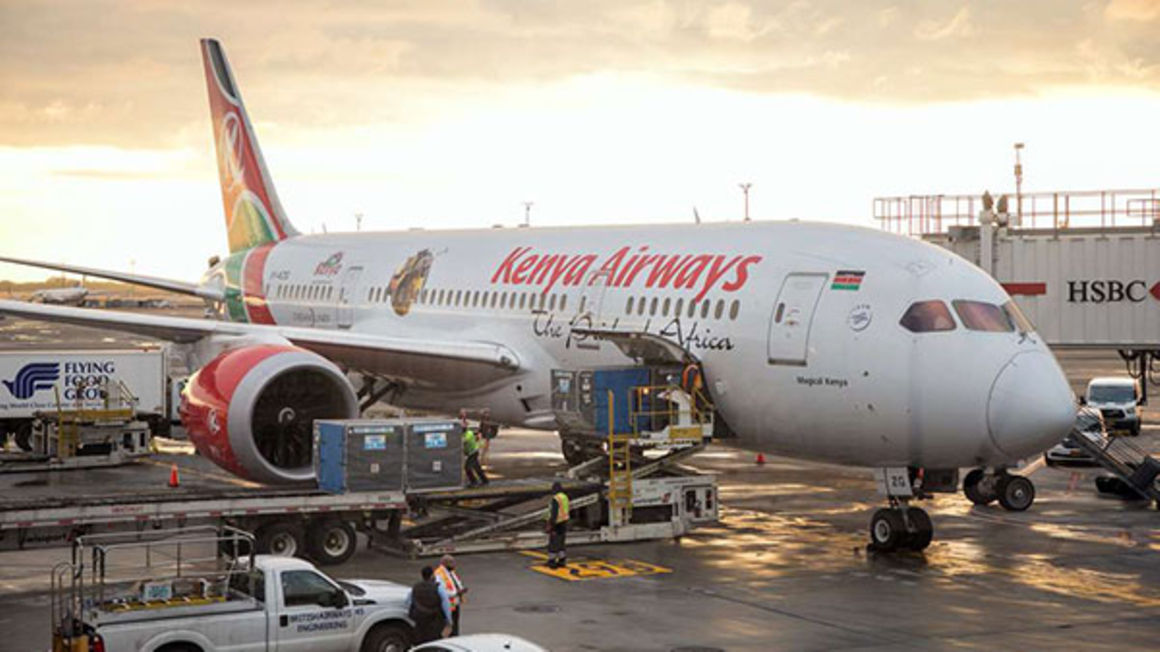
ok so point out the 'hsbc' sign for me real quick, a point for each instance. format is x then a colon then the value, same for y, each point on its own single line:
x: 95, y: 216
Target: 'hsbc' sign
x: 1111, y: 291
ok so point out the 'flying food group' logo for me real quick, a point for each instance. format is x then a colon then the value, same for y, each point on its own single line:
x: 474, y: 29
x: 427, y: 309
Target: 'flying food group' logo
x: 32, y: 378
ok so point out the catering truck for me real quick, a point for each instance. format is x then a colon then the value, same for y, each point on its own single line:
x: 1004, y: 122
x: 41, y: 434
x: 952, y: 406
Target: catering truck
x: 46, y: 381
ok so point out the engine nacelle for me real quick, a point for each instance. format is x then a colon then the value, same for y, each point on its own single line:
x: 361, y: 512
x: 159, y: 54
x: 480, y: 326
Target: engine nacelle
x: 251, y: 410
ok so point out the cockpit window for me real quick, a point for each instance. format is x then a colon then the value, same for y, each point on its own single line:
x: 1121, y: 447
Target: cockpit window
x: 982, y: 316
x: 927, y: 316
x: 1018, y: 318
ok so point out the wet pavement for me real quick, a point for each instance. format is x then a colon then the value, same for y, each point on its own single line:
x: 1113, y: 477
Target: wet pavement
x: 787, y: 569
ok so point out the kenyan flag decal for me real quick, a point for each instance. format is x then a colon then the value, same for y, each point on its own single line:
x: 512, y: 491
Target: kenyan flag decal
x: 847, y: 280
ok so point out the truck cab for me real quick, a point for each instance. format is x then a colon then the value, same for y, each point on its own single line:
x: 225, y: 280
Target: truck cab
x: 1118, y: 399
x: 257, y: 602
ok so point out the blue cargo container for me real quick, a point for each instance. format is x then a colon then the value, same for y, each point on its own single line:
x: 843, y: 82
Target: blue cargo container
x: 359, y: 455
x: 620, y: 385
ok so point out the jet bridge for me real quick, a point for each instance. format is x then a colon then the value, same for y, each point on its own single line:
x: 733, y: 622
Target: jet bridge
x: 1083, y: 266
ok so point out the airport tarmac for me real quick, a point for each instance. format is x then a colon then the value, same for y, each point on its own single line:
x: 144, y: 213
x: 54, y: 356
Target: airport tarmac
x: 786, y: 568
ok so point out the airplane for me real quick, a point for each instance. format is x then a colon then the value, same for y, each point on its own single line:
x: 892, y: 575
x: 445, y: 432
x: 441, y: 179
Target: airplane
x: 816, y: 341
x: 73, y: 296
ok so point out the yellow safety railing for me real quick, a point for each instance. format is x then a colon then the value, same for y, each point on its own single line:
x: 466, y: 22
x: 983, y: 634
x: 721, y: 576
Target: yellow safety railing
x: 658, y: 406
x: 619, y: 470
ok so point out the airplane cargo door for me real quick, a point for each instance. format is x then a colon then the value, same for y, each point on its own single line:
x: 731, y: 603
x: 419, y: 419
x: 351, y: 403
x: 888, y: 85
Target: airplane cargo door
x: 345, y: 316
x: 793, y: 313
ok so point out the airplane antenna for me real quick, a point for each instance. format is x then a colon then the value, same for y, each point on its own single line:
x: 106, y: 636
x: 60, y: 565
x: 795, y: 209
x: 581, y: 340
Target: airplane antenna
x: 358, y: 221
x: 528, y: 212
x: 745, y: 189
x: 696, y: 215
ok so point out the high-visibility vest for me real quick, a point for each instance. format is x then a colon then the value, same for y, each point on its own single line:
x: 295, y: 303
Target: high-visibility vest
x: 451, y: 584
x: 691, y: 379
x: 470, y: 443
x: 561, y: 507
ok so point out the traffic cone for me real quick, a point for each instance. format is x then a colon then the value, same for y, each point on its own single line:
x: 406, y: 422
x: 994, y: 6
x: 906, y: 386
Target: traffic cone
x: 173, y: 481
x: 760, y: 459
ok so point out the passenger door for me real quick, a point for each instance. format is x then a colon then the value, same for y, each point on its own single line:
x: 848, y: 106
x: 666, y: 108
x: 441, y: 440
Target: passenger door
x: 345, y: 312
x: 589, y: 306
x: 307, y: 621
x: 793, y: 313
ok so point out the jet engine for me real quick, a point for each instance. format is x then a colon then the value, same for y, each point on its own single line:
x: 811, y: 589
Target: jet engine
x: 251, y: 410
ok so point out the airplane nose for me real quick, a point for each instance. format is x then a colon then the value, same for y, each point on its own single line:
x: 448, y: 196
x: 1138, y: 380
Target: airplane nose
x: 1031, y: 406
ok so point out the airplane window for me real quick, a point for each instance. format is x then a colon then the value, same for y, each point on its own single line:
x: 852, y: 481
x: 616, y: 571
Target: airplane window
x: 640, y: 306
x: 628, y: 306
x: 1018, y: 318
x: 652, y: 307
x: 494, y: 298
x: 720, y: 309
x: 371, y: 292
x: 552, y: 303
x: 458, y: 297
x: 927, y: 316
x: 734, y: 308
x: 423, y: 296
x: 563, y: 302
x: 523, y: 300
x: 692, y: 308
x: 665, y: 309
x: 982, y: 316
x: 330, y: 292
x: 677, y: 308
x: 583, y: 300
x: 503, y: 300
x: 705, y: 309
x: 475, y: 299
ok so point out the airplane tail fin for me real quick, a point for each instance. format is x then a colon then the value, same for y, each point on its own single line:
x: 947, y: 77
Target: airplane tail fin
x: 254, y: 216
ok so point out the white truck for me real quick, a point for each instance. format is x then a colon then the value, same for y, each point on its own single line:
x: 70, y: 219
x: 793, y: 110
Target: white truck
x: 32, y: 380
x: 186, y: 592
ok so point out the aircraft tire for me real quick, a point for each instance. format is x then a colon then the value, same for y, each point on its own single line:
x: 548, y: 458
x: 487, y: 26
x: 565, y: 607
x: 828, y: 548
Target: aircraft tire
x: 887, y: 531
x: 923, y: 529
x: 972, y: 490
x: 1016, y: 493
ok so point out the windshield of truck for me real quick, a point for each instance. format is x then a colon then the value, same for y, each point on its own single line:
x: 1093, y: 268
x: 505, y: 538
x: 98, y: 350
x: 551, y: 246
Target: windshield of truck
x: 1112, y: 394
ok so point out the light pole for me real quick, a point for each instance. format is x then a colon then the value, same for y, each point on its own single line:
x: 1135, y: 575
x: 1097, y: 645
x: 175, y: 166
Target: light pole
x: 1019, y: 183
x: 745, y: 189
x: 528, y: 212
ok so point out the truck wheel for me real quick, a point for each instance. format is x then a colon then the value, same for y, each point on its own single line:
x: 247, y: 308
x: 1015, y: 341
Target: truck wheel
x: 387, y: 638
x: 331, y: 541
x: 281, y: 538
x: 23, y: 436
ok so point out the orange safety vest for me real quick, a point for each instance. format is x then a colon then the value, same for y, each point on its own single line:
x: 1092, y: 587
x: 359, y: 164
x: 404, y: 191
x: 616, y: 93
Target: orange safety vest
x: 451, y: 584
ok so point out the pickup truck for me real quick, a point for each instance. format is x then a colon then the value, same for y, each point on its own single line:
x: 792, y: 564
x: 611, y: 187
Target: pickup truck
x: 280, y: 603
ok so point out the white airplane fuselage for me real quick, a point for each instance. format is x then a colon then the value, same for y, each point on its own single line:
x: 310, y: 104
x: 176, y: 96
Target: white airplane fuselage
x: 797, y: 327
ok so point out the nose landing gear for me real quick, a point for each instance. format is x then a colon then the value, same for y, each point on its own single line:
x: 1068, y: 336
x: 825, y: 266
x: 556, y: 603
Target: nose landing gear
x: 1014, y: 492
x: 900, y: 527
x: 903, y: 526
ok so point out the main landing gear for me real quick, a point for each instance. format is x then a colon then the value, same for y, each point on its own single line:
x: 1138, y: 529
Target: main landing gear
x: 1014, y: 492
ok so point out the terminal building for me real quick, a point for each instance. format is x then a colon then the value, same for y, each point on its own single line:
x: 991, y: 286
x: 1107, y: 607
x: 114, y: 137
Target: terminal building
x: 1083, y: 266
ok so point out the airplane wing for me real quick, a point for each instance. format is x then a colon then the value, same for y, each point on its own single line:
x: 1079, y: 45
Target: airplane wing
x: 428, y: 362
x: 181, y: 287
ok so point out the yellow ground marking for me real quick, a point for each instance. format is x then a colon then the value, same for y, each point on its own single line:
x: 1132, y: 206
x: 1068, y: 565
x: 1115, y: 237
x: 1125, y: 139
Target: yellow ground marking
x: 592, y: 569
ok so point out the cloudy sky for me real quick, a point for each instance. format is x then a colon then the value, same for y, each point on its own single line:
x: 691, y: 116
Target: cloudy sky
x: 450, y: 114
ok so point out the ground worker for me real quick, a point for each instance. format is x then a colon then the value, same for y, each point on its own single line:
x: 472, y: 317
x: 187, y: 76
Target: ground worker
x: 693, y: 383
x: 471, y: 465
x: 557, y: 527
x: 429, y: 608
x: 446, y: 576
x: 489, y: 430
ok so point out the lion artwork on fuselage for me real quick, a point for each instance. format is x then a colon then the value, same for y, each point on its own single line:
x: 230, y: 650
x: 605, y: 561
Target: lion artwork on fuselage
x: 409, y: 279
